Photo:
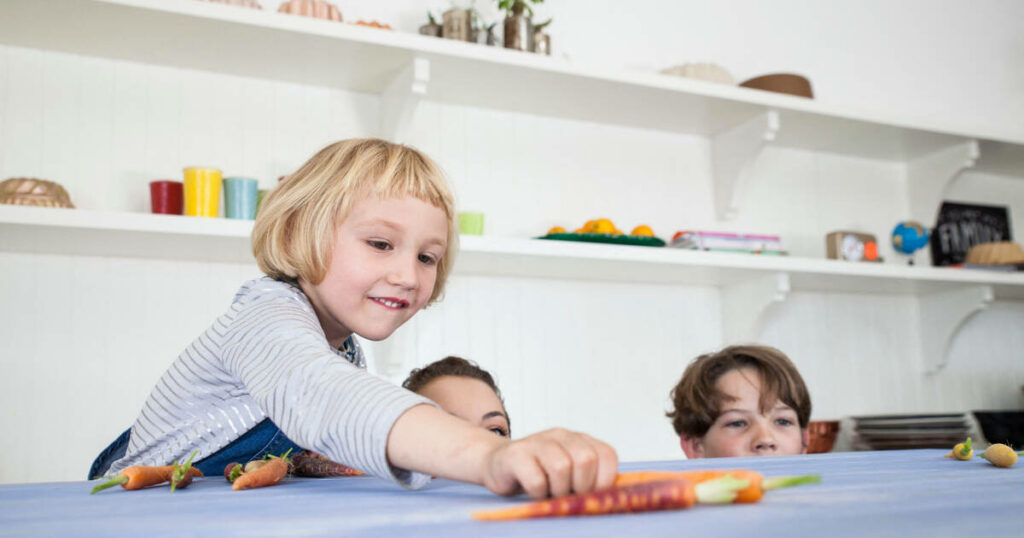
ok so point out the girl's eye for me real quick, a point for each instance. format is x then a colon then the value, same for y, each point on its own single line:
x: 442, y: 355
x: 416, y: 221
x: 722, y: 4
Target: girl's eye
x: 736, y: 424
x: 499, y: 431
x: 784, y: 422
x: 427, y: 259
x: 379, y: 245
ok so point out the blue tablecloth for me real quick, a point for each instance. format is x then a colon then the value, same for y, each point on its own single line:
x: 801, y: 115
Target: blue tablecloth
x: 894, y: 493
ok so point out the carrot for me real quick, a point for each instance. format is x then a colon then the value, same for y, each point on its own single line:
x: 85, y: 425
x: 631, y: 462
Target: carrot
x: 181, y: 475
x: 313, y: 465
x: 756, y: 484
x: 962, y: 451
x: 1001, y: 455
x: 142, y: 476
x: 269, y: 474
x: 675, y: 493
x: 232, y: 471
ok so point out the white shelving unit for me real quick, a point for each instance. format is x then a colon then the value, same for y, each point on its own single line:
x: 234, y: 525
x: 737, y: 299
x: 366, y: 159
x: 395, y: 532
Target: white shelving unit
x: 404, y: 69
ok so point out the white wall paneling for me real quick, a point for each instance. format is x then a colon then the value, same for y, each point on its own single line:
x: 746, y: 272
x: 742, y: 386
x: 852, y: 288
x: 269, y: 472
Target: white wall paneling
x: 108, y: 95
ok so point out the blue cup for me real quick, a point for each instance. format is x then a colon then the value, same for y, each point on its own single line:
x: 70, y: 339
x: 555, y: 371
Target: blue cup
x: 241, y: 195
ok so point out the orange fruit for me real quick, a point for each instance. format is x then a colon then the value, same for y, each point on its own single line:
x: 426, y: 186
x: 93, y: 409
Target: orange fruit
x: 643, y: 230
x: 602, y: 226
x: 556, y: 230
x: 587, y: 227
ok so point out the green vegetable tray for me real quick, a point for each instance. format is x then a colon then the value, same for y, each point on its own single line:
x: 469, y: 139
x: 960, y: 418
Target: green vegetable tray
x: 636, y: 240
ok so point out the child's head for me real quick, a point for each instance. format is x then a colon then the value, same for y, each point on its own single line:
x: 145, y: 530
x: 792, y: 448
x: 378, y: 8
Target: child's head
x: 366, y: 228
x: 741, y: 401
x: 463, y: 389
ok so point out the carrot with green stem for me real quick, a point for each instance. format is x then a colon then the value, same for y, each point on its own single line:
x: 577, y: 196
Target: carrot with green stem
x: 1001, y: 455
x: 313, y: 465
x: 142, y: 476
x: 756, y: 483
x: 268, y: 474
x: 962, y: 451
x: 671, y: 494
x: 181, y: 475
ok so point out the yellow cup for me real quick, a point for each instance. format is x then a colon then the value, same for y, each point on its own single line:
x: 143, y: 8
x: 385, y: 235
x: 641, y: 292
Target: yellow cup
x: 202, y: 191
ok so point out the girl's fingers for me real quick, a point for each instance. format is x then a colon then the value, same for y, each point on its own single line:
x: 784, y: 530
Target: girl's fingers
x: 584, y: 462
x: 558, y: 466
x: 607, y: 463
x: 532, y: 478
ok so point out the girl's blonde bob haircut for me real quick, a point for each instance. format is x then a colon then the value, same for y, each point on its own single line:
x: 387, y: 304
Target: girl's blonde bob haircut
x: 295, y: 229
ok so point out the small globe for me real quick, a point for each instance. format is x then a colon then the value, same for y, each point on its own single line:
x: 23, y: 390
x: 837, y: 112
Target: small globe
x: 909, y: 237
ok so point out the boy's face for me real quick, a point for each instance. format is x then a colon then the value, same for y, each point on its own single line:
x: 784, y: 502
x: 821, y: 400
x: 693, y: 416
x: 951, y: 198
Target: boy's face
x: 470, y: 399
x: 382, y: 269
x: 741, y: 429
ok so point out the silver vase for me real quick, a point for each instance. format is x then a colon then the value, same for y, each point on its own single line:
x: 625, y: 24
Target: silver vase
x: 518, y: 33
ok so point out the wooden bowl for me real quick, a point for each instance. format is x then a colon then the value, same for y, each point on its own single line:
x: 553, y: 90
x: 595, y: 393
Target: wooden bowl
x: 822, y: 435
x: 781, y: 83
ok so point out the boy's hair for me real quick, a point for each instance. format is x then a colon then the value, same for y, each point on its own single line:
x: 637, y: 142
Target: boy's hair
x: 697, y: 403
x: 295, y: 229
x: 453, y: 366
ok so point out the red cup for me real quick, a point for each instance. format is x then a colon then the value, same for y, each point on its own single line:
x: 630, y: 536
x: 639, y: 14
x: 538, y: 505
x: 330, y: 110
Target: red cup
x: 165, y: 197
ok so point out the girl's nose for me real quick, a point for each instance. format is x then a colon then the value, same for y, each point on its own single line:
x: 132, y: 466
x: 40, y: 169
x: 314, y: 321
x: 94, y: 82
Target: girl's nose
x: 403, y: 272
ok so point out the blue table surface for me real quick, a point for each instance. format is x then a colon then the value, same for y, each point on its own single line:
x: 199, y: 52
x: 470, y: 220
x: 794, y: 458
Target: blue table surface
x: 892, y: 493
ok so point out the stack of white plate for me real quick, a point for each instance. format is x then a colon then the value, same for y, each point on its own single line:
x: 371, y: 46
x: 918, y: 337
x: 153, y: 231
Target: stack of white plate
x: 892, y: 432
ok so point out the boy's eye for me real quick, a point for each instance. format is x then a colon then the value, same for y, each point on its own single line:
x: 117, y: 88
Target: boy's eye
x: 499, y: 431
x: 427, y: 259
x: 784, y: 422
x: 378, y: 244
x: 736, y: 424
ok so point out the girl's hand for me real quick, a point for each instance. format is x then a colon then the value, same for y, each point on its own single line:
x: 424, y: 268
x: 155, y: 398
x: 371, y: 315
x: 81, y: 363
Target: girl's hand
x: 553, y: 463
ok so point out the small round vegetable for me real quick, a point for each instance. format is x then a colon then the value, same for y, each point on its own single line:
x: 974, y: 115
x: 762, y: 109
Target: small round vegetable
x: 962, y: 451
x: 1000, y: 455
x: 232, y: 470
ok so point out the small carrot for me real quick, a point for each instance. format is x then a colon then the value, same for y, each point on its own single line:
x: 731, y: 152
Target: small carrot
x: 267, y: 475
x: 962, y: 451
x: 313, y: 465
x: 1001, y: 455
x: 756, y: 483
x: 675, y: 493
x: 232, y: 471
x: 142, y: 476
x: 181, y: 476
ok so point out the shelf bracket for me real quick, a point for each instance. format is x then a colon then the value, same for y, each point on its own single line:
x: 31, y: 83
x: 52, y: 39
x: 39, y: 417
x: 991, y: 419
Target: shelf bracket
x: 744, y: 303
x: 942, y: 315
x: 928, y: 178
x: 733, y: 153
x: 401, y: 98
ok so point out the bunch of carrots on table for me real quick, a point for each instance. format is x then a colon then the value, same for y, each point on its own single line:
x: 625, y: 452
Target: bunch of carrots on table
x: 254, y: 474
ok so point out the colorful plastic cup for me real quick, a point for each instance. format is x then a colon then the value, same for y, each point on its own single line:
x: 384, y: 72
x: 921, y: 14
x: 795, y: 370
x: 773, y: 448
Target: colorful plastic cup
x: 241, y: 196
x: 202, y: 191
x: 471, y: 223
x: 165, y: 197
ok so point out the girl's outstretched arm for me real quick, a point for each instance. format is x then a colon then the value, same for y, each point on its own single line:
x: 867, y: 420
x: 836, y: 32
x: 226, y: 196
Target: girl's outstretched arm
x: 554, y: 462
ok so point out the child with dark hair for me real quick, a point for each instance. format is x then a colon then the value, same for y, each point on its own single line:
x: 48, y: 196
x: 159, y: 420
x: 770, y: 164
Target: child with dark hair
x: 463, y: 389
x: 741, y: 401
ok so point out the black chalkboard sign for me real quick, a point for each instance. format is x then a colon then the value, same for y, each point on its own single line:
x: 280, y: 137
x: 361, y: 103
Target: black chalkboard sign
x: 961, y: 226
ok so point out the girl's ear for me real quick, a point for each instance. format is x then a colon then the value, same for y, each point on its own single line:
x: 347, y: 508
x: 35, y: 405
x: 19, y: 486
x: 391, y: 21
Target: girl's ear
x: 806, y: 437
x: 693, y: 447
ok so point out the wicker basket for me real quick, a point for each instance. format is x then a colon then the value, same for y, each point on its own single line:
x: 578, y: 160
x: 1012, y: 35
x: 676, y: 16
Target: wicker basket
x: 36, y: 192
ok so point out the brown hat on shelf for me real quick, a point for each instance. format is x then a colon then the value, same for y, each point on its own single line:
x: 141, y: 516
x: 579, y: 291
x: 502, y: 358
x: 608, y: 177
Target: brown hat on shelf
x: 32, y: 191
x: 781, y: 83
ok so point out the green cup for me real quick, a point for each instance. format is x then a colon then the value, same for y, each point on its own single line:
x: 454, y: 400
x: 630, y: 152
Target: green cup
x: 471, y: 223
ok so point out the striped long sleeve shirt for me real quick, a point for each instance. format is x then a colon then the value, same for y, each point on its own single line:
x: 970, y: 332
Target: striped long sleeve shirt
x: 268, y: 357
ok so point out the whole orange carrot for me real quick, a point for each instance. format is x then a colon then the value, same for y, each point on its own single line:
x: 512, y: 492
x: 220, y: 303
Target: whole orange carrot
x: 269, y: 474
x: 669, y: 494
x: 755, y: 489
x: 142, y: 476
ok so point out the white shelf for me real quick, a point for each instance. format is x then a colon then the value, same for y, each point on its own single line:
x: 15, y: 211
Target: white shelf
x: 95, y: 233
x: 265, y: 44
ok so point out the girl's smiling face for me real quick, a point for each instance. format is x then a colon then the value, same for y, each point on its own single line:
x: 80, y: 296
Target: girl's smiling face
x: 741, y: 428
x: 382, y: 269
